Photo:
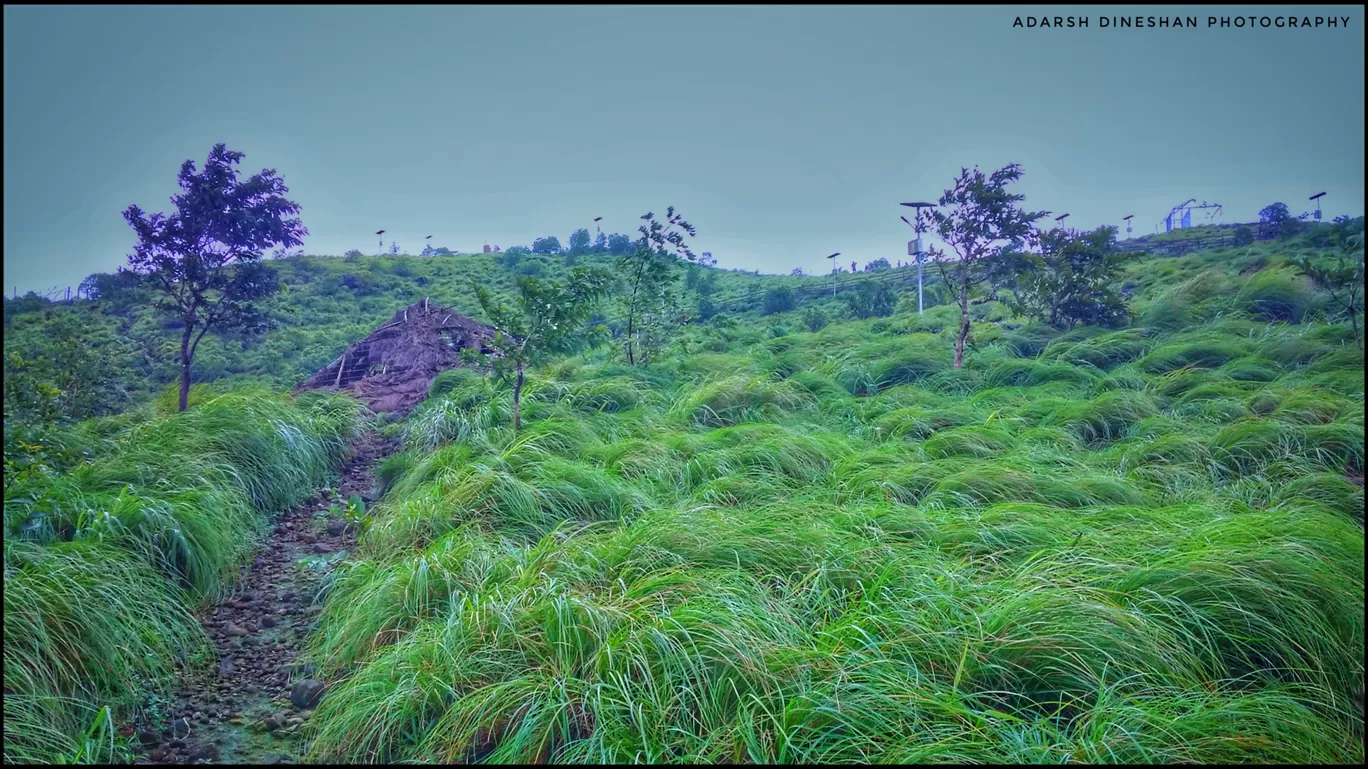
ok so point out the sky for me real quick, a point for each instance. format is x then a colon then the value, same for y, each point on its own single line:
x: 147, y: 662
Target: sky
x: 782, y: 134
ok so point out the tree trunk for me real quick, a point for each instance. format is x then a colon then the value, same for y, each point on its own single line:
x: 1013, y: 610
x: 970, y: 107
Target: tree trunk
x: 185, y: 368
x: 517, y: 401
x: 1353, y: 322
x: 964, y: 324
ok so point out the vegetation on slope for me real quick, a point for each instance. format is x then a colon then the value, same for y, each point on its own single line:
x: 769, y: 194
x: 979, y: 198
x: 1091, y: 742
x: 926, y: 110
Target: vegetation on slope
x: 105, y: 560
x: 1141, y: 545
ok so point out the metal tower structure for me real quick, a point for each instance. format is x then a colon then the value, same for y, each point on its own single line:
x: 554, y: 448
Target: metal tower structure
x: 1180, y: 216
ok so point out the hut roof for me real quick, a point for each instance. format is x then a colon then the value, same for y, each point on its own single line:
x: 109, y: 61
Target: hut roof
x: 391, y: 369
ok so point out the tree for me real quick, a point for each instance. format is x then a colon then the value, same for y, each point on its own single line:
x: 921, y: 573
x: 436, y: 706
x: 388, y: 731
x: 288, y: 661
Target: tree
x: 1071, y: 279
x: 206, y: 258
x: 547, y: 245
x: 1244, y: 236
x: 118, y: 291
x: 542, y: 321
x: 619, y: 244
x: 1275, y: 221
x: 579, y: 241
x: 878, y: 265
x: 1342, y: 281
x: 706, y: 308
x: 873, y: 299
x: 353, y: 254
x: 976, y: 218
x: 600, y: 243
x: 650, y: 306
x: 778, y: 300
x: 512, y: 257
x: 394, y: 248
x: 706, y: 259
x: 796, y: 271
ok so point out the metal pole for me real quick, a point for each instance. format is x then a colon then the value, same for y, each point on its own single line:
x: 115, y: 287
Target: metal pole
x: 919, y: 282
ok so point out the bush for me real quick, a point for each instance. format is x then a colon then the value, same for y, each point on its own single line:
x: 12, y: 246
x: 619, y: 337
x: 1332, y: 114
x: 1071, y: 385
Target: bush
x: 814, y: 319
x: 778, y: 300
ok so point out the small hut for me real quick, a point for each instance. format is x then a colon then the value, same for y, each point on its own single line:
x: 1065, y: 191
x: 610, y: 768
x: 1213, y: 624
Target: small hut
x: 391, y: 369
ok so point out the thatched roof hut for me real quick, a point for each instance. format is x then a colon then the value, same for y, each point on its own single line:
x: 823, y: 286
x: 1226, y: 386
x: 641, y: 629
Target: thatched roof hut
x: 391, y: 369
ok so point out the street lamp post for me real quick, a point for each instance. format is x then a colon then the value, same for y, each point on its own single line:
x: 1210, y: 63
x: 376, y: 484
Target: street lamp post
x: 1059, y: 220
x: 914, y: 247
x: 1317, y: 198
x: 1127, y: 220
x: 833, y: 273
x: 380, y: 234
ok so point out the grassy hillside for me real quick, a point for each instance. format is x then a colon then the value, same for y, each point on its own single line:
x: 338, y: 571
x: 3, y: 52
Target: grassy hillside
x: 326, y: 303
x: 329, y: 302
x: 1133, y: 545
x: 105, y: 561
x: 1142, y: 545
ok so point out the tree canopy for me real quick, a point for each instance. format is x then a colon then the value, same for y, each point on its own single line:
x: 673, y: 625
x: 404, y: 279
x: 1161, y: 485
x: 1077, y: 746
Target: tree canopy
x: 205, y: 259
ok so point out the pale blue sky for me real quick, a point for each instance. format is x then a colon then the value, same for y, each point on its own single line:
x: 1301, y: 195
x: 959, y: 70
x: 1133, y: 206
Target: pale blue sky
x: 782, y: 133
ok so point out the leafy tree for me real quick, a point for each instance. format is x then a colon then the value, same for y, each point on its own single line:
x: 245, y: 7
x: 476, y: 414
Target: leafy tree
x: 600, y: 243
x: 531, y: 268
x: 814, y: 319
x: 579, y: 241
x: 547, y: 245
x: 873, y: 299
x: 706, y: 259
x: 1072, y: 279
x: 353, y: 254
x: 706, y: 308
x: 1275, y: 221
x: 394, y: 248
x: 510, y: 258
x: 878, y: 265
x: 619, y: 244
x: 1244, y: 236
x: 205, y: 259
x: 707, y: 284
x: 977, y: 218
x: 650, y: 307
x: 796, y: 271
x: 120, y: 290
x: 1002, y: 272
x: 778, y: 300
x: 541, y: 321
x: 1342, y: 281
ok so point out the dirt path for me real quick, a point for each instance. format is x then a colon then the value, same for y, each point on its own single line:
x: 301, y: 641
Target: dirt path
x: 249, y: 705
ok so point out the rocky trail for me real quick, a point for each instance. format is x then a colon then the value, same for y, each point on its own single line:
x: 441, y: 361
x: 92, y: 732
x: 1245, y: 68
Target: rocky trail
x: 248, y: 705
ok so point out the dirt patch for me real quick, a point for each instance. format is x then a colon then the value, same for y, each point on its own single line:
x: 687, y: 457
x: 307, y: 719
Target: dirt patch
x: 391, y: 370
x: 248, y: 706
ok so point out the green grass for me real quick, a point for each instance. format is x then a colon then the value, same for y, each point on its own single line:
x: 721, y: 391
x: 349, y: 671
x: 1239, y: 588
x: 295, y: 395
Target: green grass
x: 104, y: 563
x: 1141, y: 545
x: 1122, y: 547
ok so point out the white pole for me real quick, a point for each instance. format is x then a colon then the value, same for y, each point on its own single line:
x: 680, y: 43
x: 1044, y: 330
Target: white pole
x: 919, y: 284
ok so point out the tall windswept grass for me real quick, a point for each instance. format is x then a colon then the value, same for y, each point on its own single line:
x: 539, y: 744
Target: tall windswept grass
x: 1118, y: 546
x: 104, y: 563
x: 1142, y: 545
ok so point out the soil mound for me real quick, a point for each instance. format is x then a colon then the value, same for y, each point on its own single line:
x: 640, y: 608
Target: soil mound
x: 391, y: 369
